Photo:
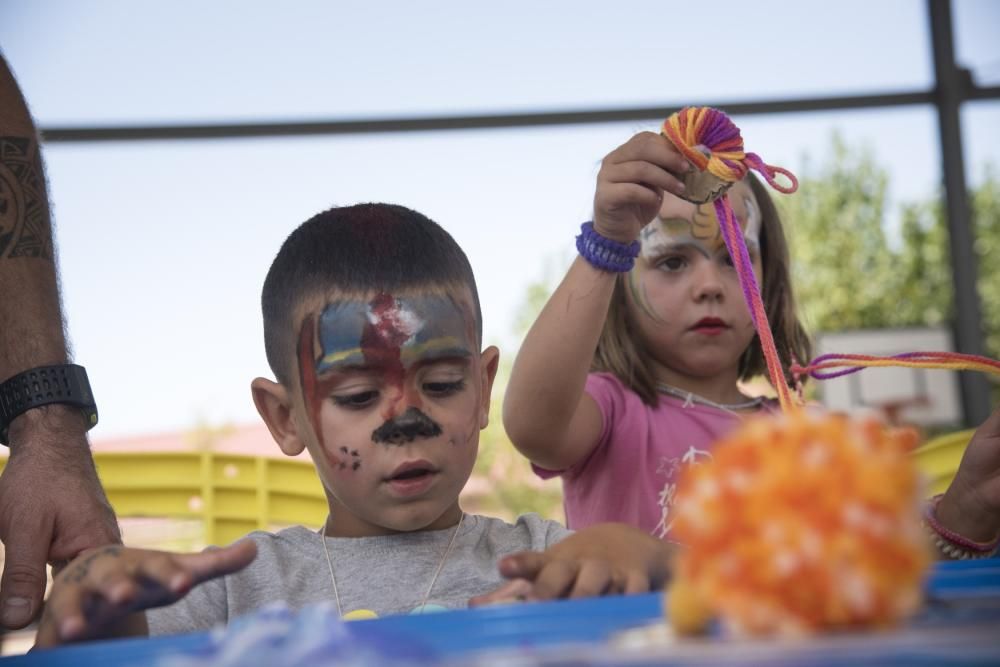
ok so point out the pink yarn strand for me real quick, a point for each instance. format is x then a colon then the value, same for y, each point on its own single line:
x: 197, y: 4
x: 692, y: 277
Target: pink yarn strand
x: 732, y: 235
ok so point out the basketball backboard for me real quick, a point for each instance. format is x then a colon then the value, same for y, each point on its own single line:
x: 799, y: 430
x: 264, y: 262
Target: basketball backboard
x: 927, y: 397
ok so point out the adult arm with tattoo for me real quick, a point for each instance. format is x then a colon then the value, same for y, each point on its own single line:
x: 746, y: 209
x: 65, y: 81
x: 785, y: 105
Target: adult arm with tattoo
x: 52, y: 505
x: 103, y: 593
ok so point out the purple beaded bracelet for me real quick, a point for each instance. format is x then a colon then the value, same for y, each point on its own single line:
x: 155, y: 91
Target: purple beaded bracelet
x: 604, y: 253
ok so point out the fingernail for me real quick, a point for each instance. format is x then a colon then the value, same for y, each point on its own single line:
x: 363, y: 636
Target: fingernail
x: 70, y: 627
x: 686, y: 165
x: 680, y: 187
x: 16, y: 611
x: 509, y: 568
x: 178, y: 582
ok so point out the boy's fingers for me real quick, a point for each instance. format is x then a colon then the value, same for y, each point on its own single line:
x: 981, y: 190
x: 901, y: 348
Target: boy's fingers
x: 512, y: 591
x: 118, y: 588
x: 163, y: 578
x: 525, y: 565
x: 636, y: 581
x: 64, y: 619
x: 46, y: 636
x: 593, y: 579
x: 556, y: 579
x: 218, y: 562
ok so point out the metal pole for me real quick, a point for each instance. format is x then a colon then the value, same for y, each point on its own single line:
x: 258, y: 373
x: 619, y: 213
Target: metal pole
x: 472, y: 122
x: 951, y: 85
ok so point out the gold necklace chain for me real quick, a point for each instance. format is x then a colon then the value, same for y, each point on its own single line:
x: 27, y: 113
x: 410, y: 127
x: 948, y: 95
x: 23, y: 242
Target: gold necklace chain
x: 427, y: 596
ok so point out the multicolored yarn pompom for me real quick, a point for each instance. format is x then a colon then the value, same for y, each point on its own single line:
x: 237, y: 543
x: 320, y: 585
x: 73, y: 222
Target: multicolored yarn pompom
x: 714, y: 145
x: 800, y: 523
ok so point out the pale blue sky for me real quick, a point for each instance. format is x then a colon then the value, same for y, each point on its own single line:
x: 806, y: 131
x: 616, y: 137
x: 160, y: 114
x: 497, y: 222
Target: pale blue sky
x: 164, y: 245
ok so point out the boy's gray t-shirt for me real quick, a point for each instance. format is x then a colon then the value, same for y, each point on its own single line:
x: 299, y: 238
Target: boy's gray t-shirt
x: 385, y: 574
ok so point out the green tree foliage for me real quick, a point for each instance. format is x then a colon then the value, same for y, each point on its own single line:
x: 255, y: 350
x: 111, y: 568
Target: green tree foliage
x: 512, y: 488
x: 849, y: 276
x: 842, y: 267
x: 986, y: 212
x: 924, y: 284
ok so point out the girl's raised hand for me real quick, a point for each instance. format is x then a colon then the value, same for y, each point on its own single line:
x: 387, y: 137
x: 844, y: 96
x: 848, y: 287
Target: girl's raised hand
x: 97, y: 595
x: 631, y: 183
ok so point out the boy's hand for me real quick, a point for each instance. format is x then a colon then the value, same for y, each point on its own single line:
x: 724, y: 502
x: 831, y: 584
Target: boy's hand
x: 607, y: 559
x: 95, y: 595
x: 971, y: 506
x: 631, y: 182
x: 515, y: 590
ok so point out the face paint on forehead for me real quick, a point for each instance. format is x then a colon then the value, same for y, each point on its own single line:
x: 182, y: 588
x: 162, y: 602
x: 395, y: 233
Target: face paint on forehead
x: 387, y: 335
x: 387, y: 331
x: 752, y: 222
x: 312, y: 390
x: 701, y: 230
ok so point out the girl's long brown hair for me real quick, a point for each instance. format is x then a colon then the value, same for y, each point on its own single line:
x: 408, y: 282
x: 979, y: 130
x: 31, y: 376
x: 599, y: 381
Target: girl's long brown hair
x: 620, y: 352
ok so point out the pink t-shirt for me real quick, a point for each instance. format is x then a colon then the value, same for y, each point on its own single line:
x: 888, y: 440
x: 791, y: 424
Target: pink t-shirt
x: 632, y: 473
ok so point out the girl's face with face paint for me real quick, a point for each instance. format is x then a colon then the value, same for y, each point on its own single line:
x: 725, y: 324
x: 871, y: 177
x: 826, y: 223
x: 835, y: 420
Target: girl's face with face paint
x: 684, y: 293
x: 394, y: 393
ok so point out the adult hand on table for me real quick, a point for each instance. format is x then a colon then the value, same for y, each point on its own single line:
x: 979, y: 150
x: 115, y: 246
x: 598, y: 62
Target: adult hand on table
x: 52, y: 506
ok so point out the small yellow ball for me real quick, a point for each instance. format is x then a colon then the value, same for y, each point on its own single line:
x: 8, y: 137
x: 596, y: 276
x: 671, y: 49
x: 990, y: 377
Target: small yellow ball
x: 685, y: 609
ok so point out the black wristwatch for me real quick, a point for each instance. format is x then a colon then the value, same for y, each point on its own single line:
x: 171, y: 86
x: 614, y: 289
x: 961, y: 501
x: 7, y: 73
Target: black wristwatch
x: 66, y: 383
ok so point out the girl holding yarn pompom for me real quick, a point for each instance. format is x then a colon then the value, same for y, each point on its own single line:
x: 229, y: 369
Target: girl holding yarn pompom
x: 633, y: 369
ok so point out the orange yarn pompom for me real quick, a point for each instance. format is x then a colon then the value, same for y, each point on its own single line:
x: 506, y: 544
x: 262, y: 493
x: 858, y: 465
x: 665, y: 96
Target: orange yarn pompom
x: 801, y: 523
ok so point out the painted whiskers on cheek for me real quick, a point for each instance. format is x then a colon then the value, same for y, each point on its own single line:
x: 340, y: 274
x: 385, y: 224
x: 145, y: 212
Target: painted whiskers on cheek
x: 351, y: 459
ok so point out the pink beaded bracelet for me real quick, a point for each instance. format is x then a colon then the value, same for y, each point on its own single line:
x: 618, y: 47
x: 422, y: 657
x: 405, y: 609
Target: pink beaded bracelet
x: 960, y: 547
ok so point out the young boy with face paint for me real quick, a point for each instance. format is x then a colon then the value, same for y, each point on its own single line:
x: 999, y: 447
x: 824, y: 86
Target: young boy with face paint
x: 373, y: 330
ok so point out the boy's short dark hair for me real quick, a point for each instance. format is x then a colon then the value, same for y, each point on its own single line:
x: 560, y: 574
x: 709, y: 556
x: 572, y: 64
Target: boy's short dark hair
x: 356, y: 249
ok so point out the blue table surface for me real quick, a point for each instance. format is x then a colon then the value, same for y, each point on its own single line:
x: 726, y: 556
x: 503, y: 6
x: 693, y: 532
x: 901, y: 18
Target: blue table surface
x: 960, y: 625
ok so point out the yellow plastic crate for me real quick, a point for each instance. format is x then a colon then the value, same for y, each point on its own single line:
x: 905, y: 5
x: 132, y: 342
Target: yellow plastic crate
x: 938, y: 458
x: 231, y: 494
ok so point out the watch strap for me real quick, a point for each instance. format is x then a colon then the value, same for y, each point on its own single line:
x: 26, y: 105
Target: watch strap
x: 65, y: 383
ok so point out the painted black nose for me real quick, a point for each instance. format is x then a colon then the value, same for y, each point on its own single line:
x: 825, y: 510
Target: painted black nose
x: 407, y: 427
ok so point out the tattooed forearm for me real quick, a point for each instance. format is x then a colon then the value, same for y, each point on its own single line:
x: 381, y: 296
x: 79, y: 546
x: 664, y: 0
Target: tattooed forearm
x: 25, y: 230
